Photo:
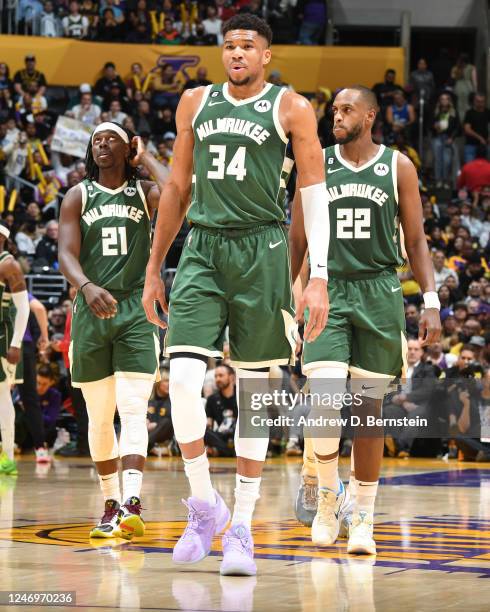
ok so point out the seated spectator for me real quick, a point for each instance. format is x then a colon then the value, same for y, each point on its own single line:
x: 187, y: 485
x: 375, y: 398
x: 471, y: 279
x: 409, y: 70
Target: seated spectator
x: 109, y: 77
x: 26, y: 238
x: 189, y: 16
x: 139, y: 35
x: 401, y: 144
x: 159, y: 416
x: 166, y: 88
x: 320, y: 101
x: 115, y: 93
x: 475, y: 123
x: 386, y: 90
x: 200, y: 38
x: 222, y: 414
x: 86, y: 111
x: 139, y: 16
x: 475, y: 174
x: 109, y: 27
x: 115, y: 112
x: 212, y: 24
x: 5, y: 81
x: 113, y: 6
x: 412, y: 316
x: 201, y: 80
x: 400, y: 115
x: 275, y: 78
x: 169, y: 35
x: 50, y: 25
x: 57, y: 320
x: 90, y: 10
x: 445, y: 296
x: 313, y: 17
x: 50, y: 401
x: 137, y: 81
x: 75, y: 25
x: 470, y: 219
x: 47, y: 247
x: 23, y: 78
x: 445, y: 129
x: 413, y: 401
x: 474, y: 270
x: 441, y: 272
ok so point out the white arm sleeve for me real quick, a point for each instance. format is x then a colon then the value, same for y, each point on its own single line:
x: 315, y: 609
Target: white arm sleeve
x: 21, y: 302
x: 317, y: 227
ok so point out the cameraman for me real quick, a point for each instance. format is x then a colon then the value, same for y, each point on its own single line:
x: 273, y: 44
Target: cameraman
x: 467, y: 398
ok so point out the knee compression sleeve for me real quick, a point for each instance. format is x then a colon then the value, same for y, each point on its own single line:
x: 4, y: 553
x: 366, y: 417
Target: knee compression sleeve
x: 188, y: 414
x: 250, y: 448
x: 132, y: 395
x: 100, y: 398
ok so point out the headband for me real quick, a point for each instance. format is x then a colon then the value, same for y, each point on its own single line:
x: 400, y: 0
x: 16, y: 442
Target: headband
x: 108, y: 125
x: 4, y: 230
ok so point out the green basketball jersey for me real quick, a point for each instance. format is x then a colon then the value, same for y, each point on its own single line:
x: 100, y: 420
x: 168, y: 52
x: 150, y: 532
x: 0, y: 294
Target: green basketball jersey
x: 115, y: 226
x: 7, y: 308
x: 363, y: 203
x: 240, y: 164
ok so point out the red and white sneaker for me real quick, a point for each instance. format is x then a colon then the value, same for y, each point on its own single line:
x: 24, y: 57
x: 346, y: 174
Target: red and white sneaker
x: 42, y: 455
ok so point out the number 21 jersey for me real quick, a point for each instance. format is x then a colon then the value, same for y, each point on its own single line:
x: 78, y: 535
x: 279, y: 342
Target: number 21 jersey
x: 363, y: 206
x: 116, y: 239
x: 240, y: 164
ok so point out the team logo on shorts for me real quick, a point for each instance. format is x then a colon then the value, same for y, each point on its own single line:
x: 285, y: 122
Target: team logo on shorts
x: 262, y: 106
x: 381, y: 169
x: 130, y: 191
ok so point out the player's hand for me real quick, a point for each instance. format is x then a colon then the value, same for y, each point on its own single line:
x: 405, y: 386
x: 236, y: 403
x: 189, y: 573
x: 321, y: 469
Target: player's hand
x: 13, y: 355
x: 429, y: 326
x: 100, y: 301
x: 154, y: 291
x: 315, y: 298
x: 43, y: 343
x: 137, y: 145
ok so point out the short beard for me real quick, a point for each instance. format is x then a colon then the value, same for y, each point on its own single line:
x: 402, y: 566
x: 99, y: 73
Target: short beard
x: 245, y: 81
x: 353, y: 134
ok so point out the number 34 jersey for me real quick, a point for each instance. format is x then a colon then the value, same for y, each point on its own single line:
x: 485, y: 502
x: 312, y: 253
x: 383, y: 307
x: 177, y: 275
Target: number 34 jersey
x: 240, y: 164
x: 115, y: 226
x: 363, y: 203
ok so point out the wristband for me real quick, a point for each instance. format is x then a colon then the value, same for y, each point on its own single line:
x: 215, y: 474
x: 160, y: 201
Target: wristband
x: 85, y: 284
x: 431, y: 300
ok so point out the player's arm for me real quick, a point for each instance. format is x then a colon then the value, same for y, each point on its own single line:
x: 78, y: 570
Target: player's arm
x: 417, y: 249
x: 39, y: 311
x: 100, y: 301
x: 142, y: 157
x: 298, y: 118
x: 14, y: 276
x: 298, y: 244
x: 174, y: 201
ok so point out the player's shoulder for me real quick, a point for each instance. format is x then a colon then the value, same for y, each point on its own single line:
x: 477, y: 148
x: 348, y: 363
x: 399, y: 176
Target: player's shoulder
x: 291, y: 100
x: 403, y: 163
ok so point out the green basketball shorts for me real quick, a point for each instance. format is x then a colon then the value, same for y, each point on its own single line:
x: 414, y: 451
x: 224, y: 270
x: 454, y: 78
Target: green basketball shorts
x: 126, y: 345
x: 238, y: 278
x: 13, y: 374
x: 365, y: 328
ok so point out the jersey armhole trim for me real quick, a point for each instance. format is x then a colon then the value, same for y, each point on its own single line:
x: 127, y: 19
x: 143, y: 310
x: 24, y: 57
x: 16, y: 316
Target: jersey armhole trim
x: 143, y: 197
x: 394, y: 174
x: 83, y: 189
x: 275, y: 116
x: 205, y: 96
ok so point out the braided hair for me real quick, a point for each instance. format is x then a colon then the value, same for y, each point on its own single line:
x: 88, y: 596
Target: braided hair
x: 92, y: 170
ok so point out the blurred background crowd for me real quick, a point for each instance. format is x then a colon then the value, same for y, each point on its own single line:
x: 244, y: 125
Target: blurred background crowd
x: 439, y: 119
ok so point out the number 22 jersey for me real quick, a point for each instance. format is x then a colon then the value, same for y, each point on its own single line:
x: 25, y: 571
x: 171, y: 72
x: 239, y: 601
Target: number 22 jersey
x: 240, y: 164
x: 363, y: 205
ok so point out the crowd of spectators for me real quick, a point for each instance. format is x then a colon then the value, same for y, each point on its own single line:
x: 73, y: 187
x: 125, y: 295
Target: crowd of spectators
x: 168, y: 22
x: 454, y: 173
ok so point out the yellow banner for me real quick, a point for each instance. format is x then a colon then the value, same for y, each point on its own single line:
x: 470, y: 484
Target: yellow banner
x: 70, y: 62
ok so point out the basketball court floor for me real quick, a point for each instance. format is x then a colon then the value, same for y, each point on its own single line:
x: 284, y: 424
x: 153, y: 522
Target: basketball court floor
x: 432, y: 532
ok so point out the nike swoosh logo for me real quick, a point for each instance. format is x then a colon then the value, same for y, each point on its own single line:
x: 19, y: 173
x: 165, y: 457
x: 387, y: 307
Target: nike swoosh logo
x: 330, y: 171
x: 273, y: 246
x: 215, y: 103
x: 395, y: 289
x: 91, y: 195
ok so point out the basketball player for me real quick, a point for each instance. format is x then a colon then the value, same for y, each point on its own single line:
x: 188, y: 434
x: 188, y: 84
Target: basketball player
x: 370, y: 188
x: 12, y: 290
x: 104, y: 247
x: 235, y: 267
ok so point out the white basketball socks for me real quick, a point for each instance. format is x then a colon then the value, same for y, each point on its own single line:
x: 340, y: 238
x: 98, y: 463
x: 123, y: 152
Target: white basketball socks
x: 109, y: 485
x: 197, y: 471
x: 246, y: 494
x: 132, y: 482
x: 365, y: 496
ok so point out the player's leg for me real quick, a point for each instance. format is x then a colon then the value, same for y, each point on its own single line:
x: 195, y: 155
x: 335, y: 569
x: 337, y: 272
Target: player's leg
x: 92, y: 372
x: 261, y: 335
x: 198, y: 316
x: 135, y: 352
x: 100, y: 398
x: 307, y: 497
x: 7, y: 428
x: 378, y: 349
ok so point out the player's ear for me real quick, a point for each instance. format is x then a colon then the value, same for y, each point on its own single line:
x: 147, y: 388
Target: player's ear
x: 266, y: 58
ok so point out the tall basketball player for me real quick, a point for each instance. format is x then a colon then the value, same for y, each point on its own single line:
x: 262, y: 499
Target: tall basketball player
x: 104, y: 247
x: 370, y: 189
x: 12, y: 329
x: 234, y: 271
